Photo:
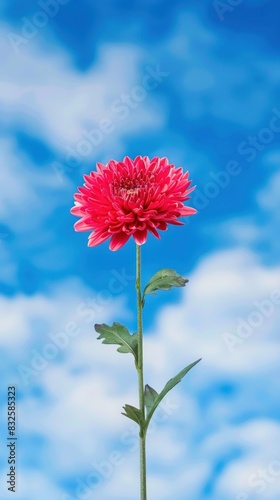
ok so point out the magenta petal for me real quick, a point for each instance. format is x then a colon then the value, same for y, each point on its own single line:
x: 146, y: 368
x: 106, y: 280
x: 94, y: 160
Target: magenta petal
x: 188, y: 211
x: 154, y: 232
x: 140, y: 237
x: 131, y: 197
x: 162, y: 226
x: 82, y: 225
x: 118, y: 240
x: 97, y: 237
x: 77, y: 210
x: 100, y: 167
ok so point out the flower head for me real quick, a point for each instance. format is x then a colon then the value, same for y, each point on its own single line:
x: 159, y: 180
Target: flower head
x: 130, y: 198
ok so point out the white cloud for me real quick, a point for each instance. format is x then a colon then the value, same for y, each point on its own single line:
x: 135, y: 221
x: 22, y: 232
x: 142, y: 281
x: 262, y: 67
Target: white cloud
x: 272, y: 157
x: 268, y: 197
x: 236, y: 231
x: 268, y: 201
x: 45, y: 94
x: 255, y: 472
x: 85, y: 385
x: 83, y: 388
x: 259, y: 229
x: 226, y: 88
x: 8, y: 271
x: 70, y: 375
x: 32, y: 485
x: 22, y: 206
x: 223, y: 288
x: 68, y: 301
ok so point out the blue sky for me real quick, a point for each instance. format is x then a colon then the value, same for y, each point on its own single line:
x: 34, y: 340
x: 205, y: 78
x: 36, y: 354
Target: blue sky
x: 73, y: 70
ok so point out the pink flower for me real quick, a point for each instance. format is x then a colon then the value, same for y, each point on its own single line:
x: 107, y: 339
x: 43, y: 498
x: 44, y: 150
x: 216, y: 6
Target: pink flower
x: 129, y: 198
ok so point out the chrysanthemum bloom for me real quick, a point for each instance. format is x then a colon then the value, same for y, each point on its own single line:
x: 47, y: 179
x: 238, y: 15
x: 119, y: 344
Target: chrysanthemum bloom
x: 129, y: 198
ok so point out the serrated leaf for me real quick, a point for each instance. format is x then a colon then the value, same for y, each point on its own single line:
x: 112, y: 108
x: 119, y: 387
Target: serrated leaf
x: 150, y: 397
x: 133, y: 413
x: 118, y: 334
x: 170, y: 384
x: 164, y: 280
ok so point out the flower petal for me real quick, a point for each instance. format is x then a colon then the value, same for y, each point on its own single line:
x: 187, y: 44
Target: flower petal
x: 118, y: 240
x: 188, y: 211
x: 153, y: 231
x: 82, y: 225
x: 77, y: 210
x: 140, y: 237
x: 131, y: 198
x: 97, y: 237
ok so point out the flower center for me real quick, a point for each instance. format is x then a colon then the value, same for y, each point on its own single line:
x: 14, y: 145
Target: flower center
x: 126, y: 187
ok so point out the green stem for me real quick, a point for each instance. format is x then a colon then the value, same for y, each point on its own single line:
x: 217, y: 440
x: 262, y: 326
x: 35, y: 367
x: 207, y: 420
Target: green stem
x: 142, y: 434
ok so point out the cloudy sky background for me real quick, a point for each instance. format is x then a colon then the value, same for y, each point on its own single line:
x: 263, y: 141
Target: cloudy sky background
x: 66, y: 69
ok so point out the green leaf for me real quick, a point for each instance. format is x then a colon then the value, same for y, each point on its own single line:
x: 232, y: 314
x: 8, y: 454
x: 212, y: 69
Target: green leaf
x: 150, y: 397
x: 118, y: 334
x: 170, y: 384
x: 164, y: 280
x: 133, y: 413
